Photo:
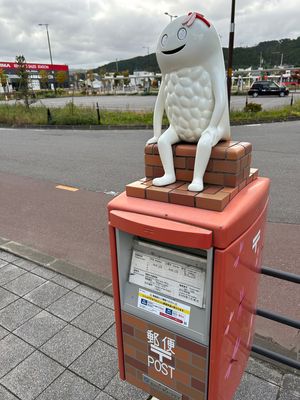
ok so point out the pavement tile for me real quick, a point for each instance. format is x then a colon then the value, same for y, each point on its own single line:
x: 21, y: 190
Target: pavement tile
x: 32, y: 376
x: 104, y: 396
x: 69, y: 306
x: 95, y: 320
x: 264, y: 371
x: 5, y: 395
x: 287, y: 395
x: 253, y: 388
x: 24, y: 284
x: 88, y: 292
x: 67, y: 345
x: 6, y: 298
x: 15, y: 314
x: 40, y: 328
x: 292, y: 383
x: 46, y: 294
x: 3, y: 333
x: 107, y: 301
x: 3, y: 263
x: 122, y: 390
x: 98, y: 365
x: 9, y: 272
x: 69, y: 387
x: 44, y: 272
x: 7, y: 256
x: 110, y: 336
x: 12, y: 351
x: 65, y: 281
x: 25, y: 264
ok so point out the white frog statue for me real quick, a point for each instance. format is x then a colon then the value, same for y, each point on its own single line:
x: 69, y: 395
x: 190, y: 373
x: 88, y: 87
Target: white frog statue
x: 193, y: 93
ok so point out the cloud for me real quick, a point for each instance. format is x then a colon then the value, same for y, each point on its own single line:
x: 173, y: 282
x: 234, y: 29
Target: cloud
x: 89, y: 33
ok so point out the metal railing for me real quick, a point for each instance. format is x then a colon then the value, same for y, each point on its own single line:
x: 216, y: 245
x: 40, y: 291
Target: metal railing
x: 286, y: 276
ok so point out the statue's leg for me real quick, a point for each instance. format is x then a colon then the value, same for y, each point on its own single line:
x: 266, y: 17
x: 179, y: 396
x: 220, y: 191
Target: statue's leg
x: 203, y: 152
x: 165, y: 142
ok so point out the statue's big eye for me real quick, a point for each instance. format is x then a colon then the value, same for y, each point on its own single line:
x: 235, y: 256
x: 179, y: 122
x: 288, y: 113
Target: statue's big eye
x: 181, y: 34
x: 164, y: 40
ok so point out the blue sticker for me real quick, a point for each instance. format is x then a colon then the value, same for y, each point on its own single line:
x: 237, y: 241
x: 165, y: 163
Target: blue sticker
x: 169, y: 311
x: 144, y: 302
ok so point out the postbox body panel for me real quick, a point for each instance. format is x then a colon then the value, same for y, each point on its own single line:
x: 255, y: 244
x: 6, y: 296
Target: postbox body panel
x: 193, y: 348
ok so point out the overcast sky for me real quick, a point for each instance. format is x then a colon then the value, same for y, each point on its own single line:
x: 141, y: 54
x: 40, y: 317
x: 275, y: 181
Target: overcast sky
x: 89, y: 33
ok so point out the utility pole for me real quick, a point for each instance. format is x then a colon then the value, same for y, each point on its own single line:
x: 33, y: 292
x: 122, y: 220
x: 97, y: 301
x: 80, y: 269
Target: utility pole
x: 230, y: 51
x: 50, y: 52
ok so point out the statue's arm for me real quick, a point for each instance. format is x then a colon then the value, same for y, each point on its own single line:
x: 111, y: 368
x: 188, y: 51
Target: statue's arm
x: 158, y: 114
x: 220, y: 96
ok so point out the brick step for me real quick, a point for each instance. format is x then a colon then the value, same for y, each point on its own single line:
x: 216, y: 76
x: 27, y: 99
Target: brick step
x: 229, y: 163
x: 213, y: 197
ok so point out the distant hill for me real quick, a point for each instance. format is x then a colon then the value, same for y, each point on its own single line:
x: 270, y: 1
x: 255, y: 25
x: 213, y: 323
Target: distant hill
x: 243, y: 57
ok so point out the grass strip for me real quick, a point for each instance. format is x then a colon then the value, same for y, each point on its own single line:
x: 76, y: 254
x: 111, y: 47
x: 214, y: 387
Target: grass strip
x: 19, y: 115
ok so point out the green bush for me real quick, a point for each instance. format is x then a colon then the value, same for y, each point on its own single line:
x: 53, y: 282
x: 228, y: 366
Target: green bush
x: 253, y: 107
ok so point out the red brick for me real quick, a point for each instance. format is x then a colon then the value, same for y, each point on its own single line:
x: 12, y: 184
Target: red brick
x: 153, y: 160
x: 212, y: 189
x: 199, y: 362
x: 242, y: 185
x: 134, y: 342
x: 196, y: 384
x: 128, y: 329
x: 190, y: 162
x: 137, y: 189
x: 134, y: 321
x: 129, y: 350
x: 191, y: 346
x: 235, y: 152
x: 148, y: 171
x: 186, y: 150
x: 184, y: 175
x: 158, y: 172
x: 246, y: 172
x: 149, y: 149
x: 244, y: 162
x: 155, y: 149
x: 194, y: 394
x: 214, y: 178
x: 233, y: 180
x: 232, y: 191
x: 173, y: 185
x: 180, y: 162
x: 226, y: 143
x: 158, y: 193
x: 183, y: 186
x: 227, y: 166
x: 182, y: 377
x: 182, y: 197
x: 247, y: 146
x: 215, y: 202
x: 218, y: 152
x: 135, y: 363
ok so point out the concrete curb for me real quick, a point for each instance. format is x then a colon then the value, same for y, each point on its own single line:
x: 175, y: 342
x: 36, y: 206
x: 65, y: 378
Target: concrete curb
x: 55, y: 264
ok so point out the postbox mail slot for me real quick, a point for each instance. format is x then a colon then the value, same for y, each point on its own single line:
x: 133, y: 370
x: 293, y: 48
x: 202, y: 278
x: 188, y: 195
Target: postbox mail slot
x: 168, y: 285
x: 161, y: 229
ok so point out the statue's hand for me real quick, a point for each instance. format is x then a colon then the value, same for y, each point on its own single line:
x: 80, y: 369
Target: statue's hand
x: 152, y: 140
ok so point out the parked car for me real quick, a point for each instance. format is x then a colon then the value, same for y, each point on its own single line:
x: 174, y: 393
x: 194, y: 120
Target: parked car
x: 260, y: 88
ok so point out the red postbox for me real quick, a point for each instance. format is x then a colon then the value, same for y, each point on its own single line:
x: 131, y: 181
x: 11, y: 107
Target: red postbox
x: 185, y: 288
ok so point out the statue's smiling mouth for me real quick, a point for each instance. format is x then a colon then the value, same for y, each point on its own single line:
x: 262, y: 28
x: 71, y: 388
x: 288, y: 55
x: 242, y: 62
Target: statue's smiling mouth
x: 174, y: 50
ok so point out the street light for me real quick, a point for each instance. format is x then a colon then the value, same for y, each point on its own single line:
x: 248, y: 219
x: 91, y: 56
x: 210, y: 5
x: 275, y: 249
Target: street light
x: 46, y: 26
x: 171, y: 16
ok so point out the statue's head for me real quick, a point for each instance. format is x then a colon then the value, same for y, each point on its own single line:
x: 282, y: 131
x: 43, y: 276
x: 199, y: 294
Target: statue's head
x: 186, y: 42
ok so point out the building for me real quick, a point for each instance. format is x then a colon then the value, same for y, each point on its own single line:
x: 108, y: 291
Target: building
x: 37, y: 78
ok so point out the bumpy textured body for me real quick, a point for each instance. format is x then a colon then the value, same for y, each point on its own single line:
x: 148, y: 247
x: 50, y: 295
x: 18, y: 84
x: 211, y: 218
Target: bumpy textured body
x: 189, y: 102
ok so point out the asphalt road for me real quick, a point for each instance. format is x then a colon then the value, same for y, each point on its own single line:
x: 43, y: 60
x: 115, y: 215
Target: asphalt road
x: 105, y: 161
x: 146, y: 103
x: 73, y: 225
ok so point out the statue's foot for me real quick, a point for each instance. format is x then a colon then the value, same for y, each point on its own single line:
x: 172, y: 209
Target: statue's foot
x: 196, y: 186
x: 164, y: 180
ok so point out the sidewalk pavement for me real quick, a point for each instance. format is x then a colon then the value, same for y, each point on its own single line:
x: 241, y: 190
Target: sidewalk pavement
x: 57, y: 342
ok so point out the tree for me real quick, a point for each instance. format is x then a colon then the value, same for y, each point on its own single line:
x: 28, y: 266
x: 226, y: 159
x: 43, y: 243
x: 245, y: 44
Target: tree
x: 44, y: 78
x: 23, y: 74
x: 60, y: 77
x: 3, y: 79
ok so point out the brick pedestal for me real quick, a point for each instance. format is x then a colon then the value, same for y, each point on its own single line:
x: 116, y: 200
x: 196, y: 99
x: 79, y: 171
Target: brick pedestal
x: 228, y: 172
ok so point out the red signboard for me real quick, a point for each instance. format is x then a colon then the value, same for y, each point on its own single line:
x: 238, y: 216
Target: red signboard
x: 35, y: 66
